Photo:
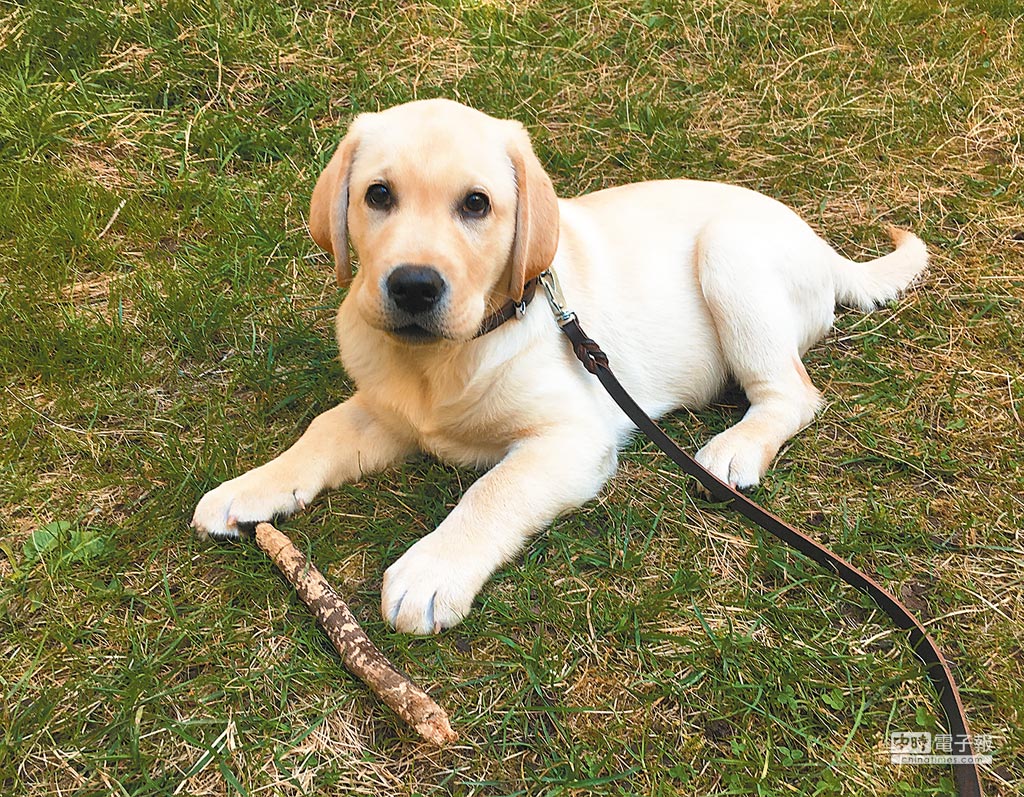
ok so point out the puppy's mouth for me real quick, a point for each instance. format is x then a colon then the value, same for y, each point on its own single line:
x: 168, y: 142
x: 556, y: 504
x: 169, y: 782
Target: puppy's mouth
x: 414, y: 333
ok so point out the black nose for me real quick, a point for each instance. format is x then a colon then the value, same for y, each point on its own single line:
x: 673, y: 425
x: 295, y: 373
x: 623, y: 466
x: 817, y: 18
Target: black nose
x: 415, y: 289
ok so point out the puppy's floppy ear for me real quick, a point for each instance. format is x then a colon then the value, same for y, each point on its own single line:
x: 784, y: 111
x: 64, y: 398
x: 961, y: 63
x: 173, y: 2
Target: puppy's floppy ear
x: 536, y: 237
x: 328, y: 209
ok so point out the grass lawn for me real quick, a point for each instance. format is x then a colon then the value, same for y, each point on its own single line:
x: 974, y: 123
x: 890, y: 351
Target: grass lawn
x: 167, y: 324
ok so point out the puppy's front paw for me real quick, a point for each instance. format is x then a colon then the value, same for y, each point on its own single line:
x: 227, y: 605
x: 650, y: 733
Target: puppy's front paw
x: 258, y: 495
x: 735, y: 459
x: 431, y: 587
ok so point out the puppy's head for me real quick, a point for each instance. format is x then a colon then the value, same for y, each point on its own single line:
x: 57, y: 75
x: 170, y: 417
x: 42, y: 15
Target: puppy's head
x: 448, y: 210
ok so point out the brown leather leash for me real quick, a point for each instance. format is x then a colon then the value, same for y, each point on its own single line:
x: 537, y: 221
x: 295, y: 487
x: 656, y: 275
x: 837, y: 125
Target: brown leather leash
x: 968, y: 778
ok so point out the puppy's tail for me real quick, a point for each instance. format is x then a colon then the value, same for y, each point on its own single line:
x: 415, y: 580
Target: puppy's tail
x: 868, y: 285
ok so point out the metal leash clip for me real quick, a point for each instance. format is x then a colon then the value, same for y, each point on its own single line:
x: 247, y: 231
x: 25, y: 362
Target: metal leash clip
x: 553, y: 290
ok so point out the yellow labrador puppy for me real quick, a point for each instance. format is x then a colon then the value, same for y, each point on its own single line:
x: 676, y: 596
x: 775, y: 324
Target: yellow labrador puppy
x: 684, y: 284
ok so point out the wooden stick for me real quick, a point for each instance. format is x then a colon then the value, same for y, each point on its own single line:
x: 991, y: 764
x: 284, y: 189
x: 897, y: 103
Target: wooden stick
x: 359, y: 655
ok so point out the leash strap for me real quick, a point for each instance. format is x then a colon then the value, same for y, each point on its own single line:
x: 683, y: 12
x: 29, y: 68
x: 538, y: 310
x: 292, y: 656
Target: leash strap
x: 968, y: 778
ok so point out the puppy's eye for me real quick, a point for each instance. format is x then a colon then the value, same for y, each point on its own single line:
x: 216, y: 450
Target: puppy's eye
x: 379, y: 196
x: 476, y: 204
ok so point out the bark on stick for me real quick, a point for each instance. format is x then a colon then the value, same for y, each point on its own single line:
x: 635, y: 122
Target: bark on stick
x: 359, y: 655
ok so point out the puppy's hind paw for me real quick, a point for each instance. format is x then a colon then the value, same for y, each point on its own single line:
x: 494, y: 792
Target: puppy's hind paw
x: 738, y: 462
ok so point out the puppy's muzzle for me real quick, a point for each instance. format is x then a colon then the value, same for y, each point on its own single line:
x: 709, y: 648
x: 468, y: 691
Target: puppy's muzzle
x: 416, y: 299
